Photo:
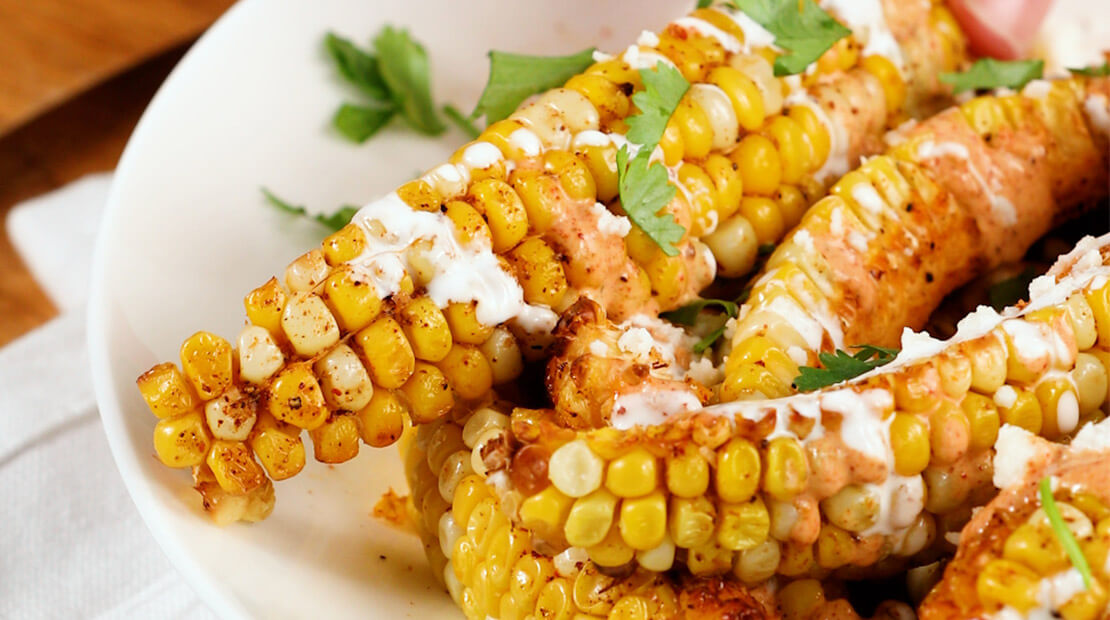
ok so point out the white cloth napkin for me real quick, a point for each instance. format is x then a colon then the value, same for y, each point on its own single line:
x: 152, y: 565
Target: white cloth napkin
x: 72, y: 544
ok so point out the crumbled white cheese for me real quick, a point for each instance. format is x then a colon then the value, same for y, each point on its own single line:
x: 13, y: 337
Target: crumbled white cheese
x: 636, y: 341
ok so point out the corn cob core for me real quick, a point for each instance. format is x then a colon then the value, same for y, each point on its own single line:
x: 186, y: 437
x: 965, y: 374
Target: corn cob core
x: 878, y: 469
x: 402, y: 313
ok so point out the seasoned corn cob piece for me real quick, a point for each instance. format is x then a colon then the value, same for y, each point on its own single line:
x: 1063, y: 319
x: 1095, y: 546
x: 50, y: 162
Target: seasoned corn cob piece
x: 855, y: 479
x: 1011, y: 562
x: 437, y: 292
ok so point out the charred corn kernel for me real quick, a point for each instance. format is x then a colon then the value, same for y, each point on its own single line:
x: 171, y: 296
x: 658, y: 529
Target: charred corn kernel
x: 798, y: 559
x: 278, y: 447
x: 420, y: 195
x: 611, y: 103
x: 573, y: 175
x: 265, y: 304
x: 343, y: 245
x: 792, y: 204
x: 545, y: 513
x: 234, y: 467
x: 1036, y: 547
x: 306, y: 272
x: 428, y: 393
x: 709, y: 559
x: 945, y: 490
x: 988, y: 365
x: 785, y: 472
x: 353, y: 301
x: 765, y: 218
x: 387, y: 352
x: 575, y: 470
x: 259, y: 355
x: 643, y: 520
x: 601, y: 163
x: 1059, y: 407
x: 894, y: 88
x: 468, y: 371
x: 231, y: 416
x: 166, y: 391
x: 757, y: 564
x: 502, y: 210
x: 909, y: 440
x: 735, y: 246
x: 382, y: 420
x: 295, y: 397
x: 539, y: 272
x: 1007, y: 583
x: 658, y: 559
x: 632, y: 475
x: 612, y: 551
x: 182, y: 441
x: 743, y: 526
x: 465, y: 327
x: 1099, y: 301
x: 343, y: 379
x: 504, y: 355
x: 206, y: 361
x: 555, y: 600
x: 687, y: 474
x: 738, y: 471
x: 691, y: 522
x: 854, y: 508
x: 982, y: 418
x: 426, y: 329
x: 1022, y: 409
x: 795, y: 151
x: 800, y: 598
x: 815, y: 131
x: 590, y: 518
x: 835, y: 547
x: 308, y: 324
x: 747, y: 101
x: 949, y: 433
x: 336, y: 441
x: 1090, y: 379
x: 481, y: 421
x: 469, y: 225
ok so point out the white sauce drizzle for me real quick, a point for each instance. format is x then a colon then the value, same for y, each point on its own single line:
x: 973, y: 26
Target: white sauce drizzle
x: 867, y: 21
x: 609, y: 223
x: 527, y: 141
x: 707, y: 29
x: 647, y: 38
x: 481, y: 155
x: 755, y: 36
x: 651, y: 407
x: 639, y: 58
x: 590, y: 137
x: 1037, y: 89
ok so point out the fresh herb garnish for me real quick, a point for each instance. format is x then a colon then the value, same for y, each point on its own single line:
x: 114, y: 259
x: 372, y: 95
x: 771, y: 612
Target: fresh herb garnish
x: 334, y: 221
x: 802, y: 30
x: 357, y: 66
x: 1063, y: 534
x: 842, y: 366
x: 704, y: 3
x: 461, y: 121
x: 688, y: 315
x: 404, y: 67
x: 1008, y: 292
x: 989, y: 73
x: 515, y: 77
x: 1093, y: 70
x: 358, y: 122
x: 643, y: 184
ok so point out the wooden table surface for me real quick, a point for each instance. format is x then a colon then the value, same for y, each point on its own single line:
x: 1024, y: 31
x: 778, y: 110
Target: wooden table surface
x: 75, y: 76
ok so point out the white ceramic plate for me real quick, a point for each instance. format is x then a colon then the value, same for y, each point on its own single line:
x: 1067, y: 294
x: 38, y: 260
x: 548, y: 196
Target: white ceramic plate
x: 186, y: 235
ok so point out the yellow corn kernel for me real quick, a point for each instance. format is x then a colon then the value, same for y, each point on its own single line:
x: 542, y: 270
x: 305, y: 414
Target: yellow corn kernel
x: 469, y: 225
x: 308, y: 324
x: 344, y: 244
x: 909, y: 440
x: 1082, y: 319
x: 945, y: 490
x: 1022, y: 410
x: 752, y: 382
x: 894, y: 88
x: 573, y: 175
x: 234, y: 467
x: 590, y: 518
x: 643, y: 520
x: 468, y: 371
x: 545, y: 513
x: 701, y: 195
x: 601, y: 163
x: 1091, y: 382
x: 982, y: 418
x: 949, y: 432
x: 835, y: 547
x: 797, y: 559
x: 206, y: 361
x: 482, y: 159
x: 853, y: 508
x: 336, y: 441
x: 955, y: 374
x: 278, y: 446
x: 914, y: 390
x: 503, y: 211
x: 795, y: 151
x: 734, y: 245
x: 1007, y: 583
x: 166, y: 391
x: 470, y: 491
x: 687, y: 474
x: 765, y: 218
x: 306, y: 272
x: 1059, y: 407
x: 426, y: 329
x: 575, y: 470
x: 671, y: 144
x: 612, y: 551
x: 631, y: 608
x: 264, y: 306
x: 382, y: 420
x: 800, y: 598
x: 420, y: 195
x: 354, y: 302
x: 988, y: 364
x: 728, y: 182
x: 691, y: 521
x: 815, y: 130
x: 760, y: 165
x: 786, y: 470
x: 611, y: 102
x: 555, y: 600
x: 746, y: 99
x: 743, y: 526
x: 758, y: 564
x: 738, y: 471
x: 709, y: 559
x: 539, y: 272
x: 1036, y: 547
x: 1099, y: 301
x: 465, y: 327
x: 428, y: 393
x: 503, y: 353
x: 693, y: 124
x: 182, y: 441
x: 540, y: 194
x: 295, y: 397
x: 633, y: 474
x: 387, y: 352
x: 792, y: 204
x: 666, y: 274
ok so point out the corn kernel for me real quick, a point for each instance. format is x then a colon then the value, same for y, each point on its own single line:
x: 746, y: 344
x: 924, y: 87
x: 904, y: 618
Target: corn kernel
x: 344, y: 244
x: 280, y: 451
x: 264, y: 306
x: 633, y: 474
x: 738, y: 471
x: 382, y: 420
x: 909, y: 440
x: 786, y: 471
x: 503, y: 211
x: 182, y: 441
x: 743, y: 526
x: 336, y: 441
x: 206, y: 361
x: 1007, y: 583
x: 949, y: 433
x: 166, y: 391
x: 426, y: 329
x: 590, y: 518
x: 234, y: 467
x: 306, y: 272
x: 308, y: 324
x: 575, y: 470
x: 691, y: 521
x: 428, y: 393
x: 688, y: 474
x: 353, y: 301
x: 387, y: 352
x: 295, y: 397
x: 545, y: 513
x: 982, y: 418
x: 643, y: 520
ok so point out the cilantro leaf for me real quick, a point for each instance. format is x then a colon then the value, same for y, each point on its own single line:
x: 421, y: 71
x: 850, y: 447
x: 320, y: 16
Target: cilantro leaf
x: 356, y: 66
x: 644, y: 190
x: 1011, y: 290
x: 358, y: 123
x: 704, y: 3
x: 688, y: 314
x: 515, y: 77
x: 842, y: 366
x: 706, y: 342
x: 989, y: 73
x: 801, y: 28
x: 461, y: 121
x: 1093, y: 70
x: 664, y: 87
x: 334, y: 221
x: 1063, y: 534
x: 404, y: 68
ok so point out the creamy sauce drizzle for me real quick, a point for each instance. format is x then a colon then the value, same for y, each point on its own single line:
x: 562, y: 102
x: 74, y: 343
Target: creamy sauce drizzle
x: 867, y: 21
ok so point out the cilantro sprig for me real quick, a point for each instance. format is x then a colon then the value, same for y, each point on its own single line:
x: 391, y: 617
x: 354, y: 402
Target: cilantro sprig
x: 515, y: 77
x: 333, y: 221
x: 1008, y: 292
x: 688, y: 315
x: 802, y: 30
x: 1063, y: 534
x: 643, y: 185
x: 1093, y: 70
x: 989, y: 73
x: 842, y: 366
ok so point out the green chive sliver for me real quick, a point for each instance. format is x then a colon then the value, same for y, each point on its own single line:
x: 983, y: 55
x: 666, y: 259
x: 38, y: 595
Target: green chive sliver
x: 1063, y: 534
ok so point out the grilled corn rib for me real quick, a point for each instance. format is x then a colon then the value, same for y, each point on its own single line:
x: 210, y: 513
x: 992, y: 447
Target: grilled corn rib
x: 1010, y: 562
x: 856, y: 478
x: 406, y: 311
